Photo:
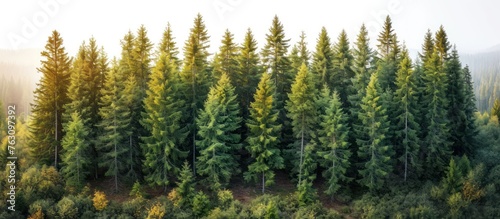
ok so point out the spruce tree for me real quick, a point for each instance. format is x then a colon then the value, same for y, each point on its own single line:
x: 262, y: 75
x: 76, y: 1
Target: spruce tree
x: 218, y: 141
x: 225, y: 60
x: 322, y: 65
x: 194, y: 78
x: 299, y: 54
x: 333, y: 150
x: 264, y: 131
x: 407, y: 142
x: 436, y: 130
x: 301, y: 110
x: 427, y: 47
x: 389, y: 53
x: 442, y: 44
x: 77, y: 156
x: 162, y: 120
x: 168, y: 46
x: 113, y: 145
x: 386, y: 39
x: 49, y: 98
x: 495, y: 110
x: 342, y: 72
x: 185, y: 185
x: 373, y: 150
x: 249, y: 72
x: 470, y: 109
x: 456, y: 103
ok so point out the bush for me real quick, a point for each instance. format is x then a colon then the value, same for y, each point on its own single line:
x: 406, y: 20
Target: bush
x: 100, y: 201
x: 225, y: 198
x: 157, y: 211
x: 66, y: 208
x: 137, y: 191
x: 201, y: 204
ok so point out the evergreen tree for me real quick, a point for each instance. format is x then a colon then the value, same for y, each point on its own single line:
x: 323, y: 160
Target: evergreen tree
x: 442, y: 45
x: 249, y: 72
x: 77, y: 90
x: 470, y: 109
x: 49, y: 98
x: 342, y: 72
x: 389, y: 53
x: 386, y: 39
x: 77, y: 152
x: 168, y: 46
x: 264, y: 132
x: 185, y: 185
x: 113, y: 144
x: 456, y: 103
x: 194, y: 78
x: 301, y: 110
x: 495, y: 110
x: 299, y: 54
x: 437, y: 147
x: 225, y: 61
x: 218, y: 140
x: 334, y: 150
x: 373, y: 150
x: 407, y: 144
x: 427, y: 47
x: 161, y: 119
x: 322, y: 65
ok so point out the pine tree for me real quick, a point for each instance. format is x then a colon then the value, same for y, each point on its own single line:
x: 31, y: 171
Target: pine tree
x: 299, y: 54
x: 77, y: 90
x: 322, y: 65
x: 218, y: 141
x: 194, y: 78
x: 276, y: 62
x: 495, y: 110
x: 185, y: 185
x: 386, y: 39
x: 407, y: 144
x: 427, y: 47
x: 334, y: 150
x: 301, y: 110
x: 389, y: 53
x: 49, y: 98
x: 437, y: 148
x: 161, y: 147
x: 225, y: 60
x: 77, y: 152
x: 442, y: 45
x: 113, y: 144
x: 263, y: 138
x: 470, y: 109
x: 342, y: 72
x: 249, y: 72
x: 372, y: 148
x: 456, y: 103
x: 168, y: 46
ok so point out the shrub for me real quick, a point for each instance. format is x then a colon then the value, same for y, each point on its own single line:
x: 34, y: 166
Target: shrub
x: 157, y: 211
x: 100, y: 201
x: 201, y: 204
x: 66, y: 208
x: 225, y: 198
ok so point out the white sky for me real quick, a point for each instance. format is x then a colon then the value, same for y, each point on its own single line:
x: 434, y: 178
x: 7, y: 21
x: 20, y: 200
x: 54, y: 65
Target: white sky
x: 471, y: 25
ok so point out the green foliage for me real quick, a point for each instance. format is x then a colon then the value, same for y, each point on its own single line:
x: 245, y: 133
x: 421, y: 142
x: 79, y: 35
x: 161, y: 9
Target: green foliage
x: 264, y: 132
x: 373, y: 150
x: 342, y: 71
x: 218, y: 142
x: 77, y: 152
x: 41, y: 183
x: 225, y: 61
x: 185, y: 186
x: 495, y: 111
x: 322, y: 65
x: 201, y: 204
x: 49, y: 98
x: 66, y: 208
x: 249, y: 72
x: 137, y: 190
x: 299, y: 54
x: 334, y: 152
x: 224, y: 198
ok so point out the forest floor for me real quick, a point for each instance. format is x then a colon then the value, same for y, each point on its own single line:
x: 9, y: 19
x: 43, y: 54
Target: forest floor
x: 242, y: 191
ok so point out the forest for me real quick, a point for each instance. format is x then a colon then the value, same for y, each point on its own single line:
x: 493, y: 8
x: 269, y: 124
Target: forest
x: 341, y: 130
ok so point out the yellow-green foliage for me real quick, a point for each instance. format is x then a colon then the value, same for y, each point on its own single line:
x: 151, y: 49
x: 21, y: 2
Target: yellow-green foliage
x: 100, y: 201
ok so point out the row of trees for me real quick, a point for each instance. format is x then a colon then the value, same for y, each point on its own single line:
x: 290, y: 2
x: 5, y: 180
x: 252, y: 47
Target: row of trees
x: 334, y: 111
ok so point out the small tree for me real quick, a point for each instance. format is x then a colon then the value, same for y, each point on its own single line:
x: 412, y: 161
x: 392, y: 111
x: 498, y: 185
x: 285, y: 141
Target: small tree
x: 99, y: 201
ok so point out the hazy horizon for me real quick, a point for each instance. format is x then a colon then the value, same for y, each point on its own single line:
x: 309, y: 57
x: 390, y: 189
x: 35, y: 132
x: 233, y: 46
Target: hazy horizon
x: 471, y: 27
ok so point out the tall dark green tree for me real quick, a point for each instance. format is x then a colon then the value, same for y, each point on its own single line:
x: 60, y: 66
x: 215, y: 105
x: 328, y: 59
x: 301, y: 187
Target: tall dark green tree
x: 333, y: 150
x: 342, y: 72
x: 263, y: 138
x: 373, y: 151
x: 77, y: 155
x: 249, y: 72
x: 388, y: 48
x: 114, y: 144
x: 471, y: 131
x: 436, y: 130
x: 218, y: 140
x: 194, y: 78
x: 162, y: 120
x: 322, y: 61
x: 302, y: 112
x: 49, y: 98
x: 407, y: 144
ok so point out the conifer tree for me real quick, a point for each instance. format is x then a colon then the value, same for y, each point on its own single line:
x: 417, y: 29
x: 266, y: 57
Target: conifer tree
x: 470, y: 109
x: 389, y: 53
x: 495, y: 110
x: 194, y: 78
x: 342, y: 72
x: 373, y: 150
x: 442, y: 44
x: 322, y: 65
x: 333, y: 151
x: 386, y: 39
x: 249, y: 72
x: 436, y: 138
x: 263, y: 138
x: 113, y: 144
x: 407, y: 143
x: 299, y: 54
x: 225, y: 60
x: 161, y: 147
x: 301, y: 110
x: 77, y: 156
x: 427, y: 47
x: 185, y: 185
x: 218, y: 141
x: 77, y: 90
x: 168, y: 46
x: 49, y: 98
